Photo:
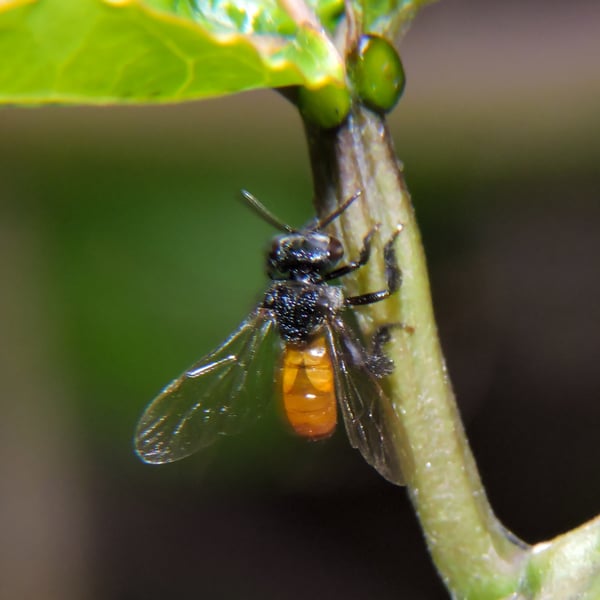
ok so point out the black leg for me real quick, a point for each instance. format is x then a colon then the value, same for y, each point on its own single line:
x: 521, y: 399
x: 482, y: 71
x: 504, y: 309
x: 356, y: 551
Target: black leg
x: 393, y: 276
x: 363, y: 258
x: 377, y: 361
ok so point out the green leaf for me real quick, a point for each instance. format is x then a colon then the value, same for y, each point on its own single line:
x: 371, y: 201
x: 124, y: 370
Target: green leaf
x: 389, y: 18
x: 142, y: 51
x: 329, y: 12
x: 241, y: 16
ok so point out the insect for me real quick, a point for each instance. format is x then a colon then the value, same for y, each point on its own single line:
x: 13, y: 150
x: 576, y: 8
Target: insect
x: 297, y: 337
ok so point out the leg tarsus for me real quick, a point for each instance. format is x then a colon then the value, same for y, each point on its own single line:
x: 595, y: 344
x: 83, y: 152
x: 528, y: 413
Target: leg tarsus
x: 378, y: 363
x: 393, y: 275
x: 363, y: 257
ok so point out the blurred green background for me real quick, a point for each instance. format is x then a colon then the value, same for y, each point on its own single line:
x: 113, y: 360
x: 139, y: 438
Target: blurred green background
x: 125, y: 256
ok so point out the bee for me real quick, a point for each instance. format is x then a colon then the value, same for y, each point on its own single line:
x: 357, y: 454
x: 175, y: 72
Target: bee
x: 297, y: 342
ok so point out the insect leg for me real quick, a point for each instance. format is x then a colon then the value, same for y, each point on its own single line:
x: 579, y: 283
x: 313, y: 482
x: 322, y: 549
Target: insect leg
x: 363, y: 258
x: 393, y: 276
x: 377, y: 361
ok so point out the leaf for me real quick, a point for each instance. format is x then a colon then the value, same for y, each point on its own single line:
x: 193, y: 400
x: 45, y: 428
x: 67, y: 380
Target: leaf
x: 389, y: 18
x: 145, y: 51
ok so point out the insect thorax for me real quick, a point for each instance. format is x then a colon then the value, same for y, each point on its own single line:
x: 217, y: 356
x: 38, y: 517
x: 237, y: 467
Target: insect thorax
x: 301, y: 309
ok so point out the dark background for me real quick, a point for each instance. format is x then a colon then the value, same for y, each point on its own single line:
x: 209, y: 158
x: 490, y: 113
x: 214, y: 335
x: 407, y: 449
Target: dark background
x: 125, y: 257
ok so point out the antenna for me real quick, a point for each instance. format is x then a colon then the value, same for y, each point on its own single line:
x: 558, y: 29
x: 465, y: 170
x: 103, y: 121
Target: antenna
x: 335, y: 214
x: 264, y: 213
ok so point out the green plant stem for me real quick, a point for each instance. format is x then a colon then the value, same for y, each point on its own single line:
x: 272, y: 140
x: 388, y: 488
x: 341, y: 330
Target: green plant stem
x: 475, y: 555
x: 566, y: 567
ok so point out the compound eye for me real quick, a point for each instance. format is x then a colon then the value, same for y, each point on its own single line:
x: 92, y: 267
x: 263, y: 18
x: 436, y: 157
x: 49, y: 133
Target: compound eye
x: 274, y: 250
x: 278, y: 258
x: 335, y: 249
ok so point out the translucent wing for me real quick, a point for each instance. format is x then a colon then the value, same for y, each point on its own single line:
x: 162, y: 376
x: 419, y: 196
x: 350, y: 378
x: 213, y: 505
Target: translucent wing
x: 366, y: 410
x: 218, y: 395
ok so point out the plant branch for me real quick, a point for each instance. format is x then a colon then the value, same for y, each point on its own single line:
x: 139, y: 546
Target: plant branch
x: 566, y: 567
x: 474, y: 553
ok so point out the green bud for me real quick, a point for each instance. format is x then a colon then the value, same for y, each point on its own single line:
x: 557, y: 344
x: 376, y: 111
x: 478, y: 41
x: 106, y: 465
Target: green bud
x: 327, y: 106
x: 377, y: 73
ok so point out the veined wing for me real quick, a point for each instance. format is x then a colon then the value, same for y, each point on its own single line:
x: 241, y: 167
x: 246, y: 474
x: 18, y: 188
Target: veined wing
x: 221, y: 393
x: 366, y: 409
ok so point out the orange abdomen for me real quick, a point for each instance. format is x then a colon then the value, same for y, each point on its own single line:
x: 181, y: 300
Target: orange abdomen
x: 309, y: 390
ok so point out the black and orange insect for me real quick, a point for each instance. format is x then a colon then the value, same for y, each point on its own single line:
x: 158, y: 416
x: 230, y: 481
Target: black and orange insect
x: 298, y: 342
